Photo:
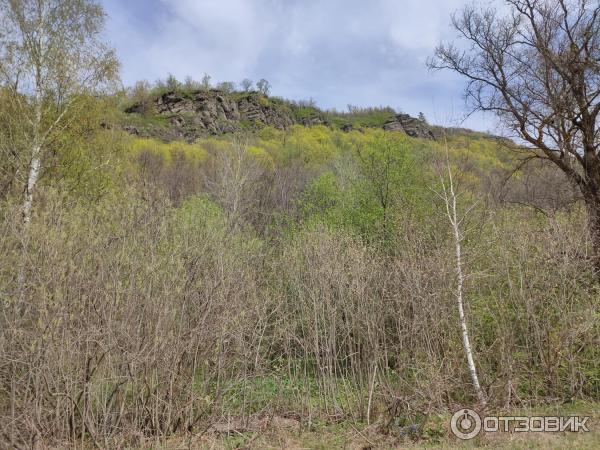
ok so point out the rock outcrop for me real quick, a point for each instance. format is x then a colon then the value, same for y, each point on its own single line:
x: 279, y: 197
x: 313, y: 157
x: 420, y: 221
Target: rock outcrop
x: 191, y: 115
x: 409, y: 125
x: 199, y: 113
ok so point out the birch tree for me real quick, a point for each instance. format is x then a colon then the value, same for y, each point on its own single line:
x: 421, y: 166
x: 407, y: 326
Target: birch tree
x: 449, y: 196
x: 51, y: 56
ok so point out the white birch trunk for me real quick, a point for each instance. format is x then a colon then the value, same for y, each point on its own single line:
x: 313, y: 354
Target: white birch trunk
x: 450, y: 199
x: 35, y: 164
x: 32, y: 179
x: 37, y: 139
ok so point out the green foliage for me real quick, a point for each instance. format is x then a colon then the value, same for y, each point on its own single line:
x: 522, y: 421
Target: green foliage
x: 197, y: 214
x: 86, y: 160
x: 366, y: 182
x: 166, y: 150
x: 314, y: 146
x: 306, y: 112
x: 143, y: 121
x: 361, y: 117
x: 371, y: 187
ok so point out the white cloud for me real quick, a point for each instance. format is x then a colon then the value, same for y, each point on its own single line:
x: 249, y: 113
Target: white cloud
x: 336, y: 51
x: 418, y: 24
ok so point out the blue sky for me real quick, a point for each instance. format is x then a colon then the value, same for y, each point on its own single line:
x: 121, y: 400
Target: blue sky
x: 338, y: 52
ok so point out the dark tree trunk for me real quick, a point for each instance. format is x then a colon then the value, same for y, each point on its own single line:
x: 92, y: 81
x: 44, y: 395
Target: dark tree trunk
x: 538, y: 69
x: 593, y: 211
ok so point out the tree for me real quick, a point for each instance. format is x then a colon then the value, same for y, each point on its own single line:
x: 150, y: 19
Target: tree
x: 51, y: 57
x: 189, y: 84
x: 246, y: 84
x: 263, y: 86
x: 232, y: 177
x: 538, y: 70
x: 140, y: 94
x: 172, y: 83
x: 226, y: 86
x: 206, y: 81
x: 422, y: 117
x: 383, y: 163
x: 449, y: 196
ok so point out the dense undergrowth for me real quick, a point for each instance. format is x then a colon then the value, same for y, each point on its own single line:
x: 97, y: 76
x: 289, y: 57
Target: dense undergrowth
x: 307, y: 273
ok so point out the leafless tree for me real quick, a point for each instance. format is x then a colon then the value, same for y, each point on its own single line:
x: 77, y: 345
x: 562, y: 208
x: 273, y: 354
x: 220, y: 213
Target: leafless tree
x: 205, y: 81
x: 246, y: 84
x: 231, y: 176
x: 263, y: 86
x: 226, y: 86
x: 190, y: 84
x: 449, y: 196
x: 538, y: 69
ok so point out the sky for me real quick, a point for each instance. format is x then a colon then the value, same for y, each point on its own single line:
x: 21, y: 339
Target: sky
x: 337, y: 52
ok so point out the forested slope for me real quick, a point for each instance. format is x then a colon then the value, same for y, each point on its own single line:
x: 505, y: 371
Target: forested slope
x: 305, y: 272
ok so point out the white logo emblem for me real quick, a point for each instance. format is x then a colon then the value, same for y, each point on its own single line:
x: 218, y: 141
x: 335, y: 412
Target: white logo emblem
x: 465, y: 424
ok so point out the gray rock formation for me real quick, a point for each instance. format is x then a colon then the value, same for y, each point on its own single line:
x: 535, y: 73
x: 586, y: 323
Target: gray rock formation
x: 409, y: 125
x: 195, y: 114
x: 313, y: 121
x: 213, y: 112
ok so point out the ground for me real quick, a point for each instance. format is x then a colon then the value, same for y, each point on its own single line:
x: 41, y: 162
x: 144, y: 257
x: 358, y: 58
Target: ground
x: 286, y: 434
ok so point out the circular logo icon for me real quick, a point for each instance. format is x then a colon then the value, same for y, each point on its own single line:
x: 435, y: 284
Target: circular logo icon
x: 465, y: 424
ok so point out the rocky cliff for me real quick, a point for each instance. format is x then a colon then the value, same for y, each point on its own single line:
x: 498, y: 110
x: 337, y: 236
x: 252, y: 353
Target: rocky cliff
x: 191, y: 115
x: 409, y: 125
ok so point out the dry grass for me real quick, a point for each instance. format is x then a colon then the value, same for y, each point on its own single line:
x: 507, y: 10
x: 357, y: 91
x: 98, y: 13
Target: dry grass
x: 360, y: 437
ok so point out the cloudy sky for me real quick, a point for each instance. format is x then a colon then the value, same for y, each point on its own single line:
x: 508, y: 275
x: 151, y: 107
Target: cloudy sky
x: 338, y: 52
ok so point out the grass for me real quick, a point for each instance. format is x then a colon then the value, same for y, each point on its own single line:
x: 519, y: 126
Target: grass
x: 435, y: 434
x: 306, y: 112
x: 362, y: 118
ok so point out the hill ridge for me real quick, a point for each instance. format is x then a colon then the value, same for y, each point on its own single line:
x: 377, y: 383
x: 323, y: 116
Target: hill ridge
x: 194, y: 114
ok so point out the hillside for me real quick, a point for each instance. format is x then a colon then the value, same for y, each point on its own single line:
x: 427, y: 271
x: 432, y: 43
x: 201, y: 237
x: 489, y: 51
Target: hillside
x: 208, y: 265
x: 192, y: 114
x: 200, y: 264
